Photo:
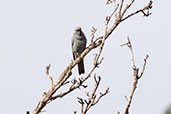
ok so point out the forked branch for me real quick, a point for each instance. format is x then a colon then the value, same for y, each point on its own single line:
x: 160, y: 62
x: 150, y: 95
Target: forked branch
x: 92, y: 99
x: 136, y: 74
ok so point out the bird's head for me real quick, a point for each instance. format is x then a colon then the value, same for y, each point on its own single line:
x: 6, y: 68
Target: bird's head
x: 78, y: 30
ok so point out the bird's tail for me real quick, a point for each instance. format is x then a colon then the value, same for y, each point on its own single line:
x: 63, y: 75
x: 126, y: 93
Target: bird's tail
x: 81, y: 67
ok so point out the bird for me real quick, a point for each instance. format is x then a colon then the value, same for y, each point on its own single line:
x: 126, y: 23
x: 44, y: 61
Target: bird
x: 79, y: 42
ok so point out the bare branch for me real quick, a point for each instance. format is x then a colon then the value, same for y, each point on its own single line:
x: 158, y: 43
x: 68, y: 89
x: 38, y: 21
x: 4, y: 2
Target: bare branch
x: 145, y: 62
x: 79, y: 84
x: 91, y: 98
x: 93, y: 30
x: 49, y: 76
x: 101, y: 95
x: 120, y: 8
x: 131, y: 51
x: 149, y: 6
x: 127, y: 7
x: 80, y: 100
x: 135, y: 74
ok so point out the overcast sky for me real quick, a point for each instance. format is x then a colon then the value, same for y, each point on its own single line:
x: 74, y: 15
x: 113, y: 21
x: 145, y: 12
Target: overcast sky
x: 35, y: 33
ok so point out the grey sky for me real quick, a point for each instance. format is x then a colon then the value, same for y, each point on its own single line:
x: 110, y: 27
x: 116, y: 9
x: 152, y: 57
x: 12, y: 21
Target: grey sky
x: 34, y: 33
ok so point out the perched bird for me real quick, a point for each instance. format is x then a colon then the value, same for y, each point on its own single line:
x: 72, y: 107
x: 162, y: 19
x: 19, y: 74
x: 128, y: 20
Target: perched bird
x: 79, y: 42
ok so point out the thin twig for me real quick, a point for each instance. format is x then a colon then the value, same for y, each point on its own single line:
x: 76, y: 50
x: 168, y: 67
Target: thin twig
x: 131, y: 51
x: 91, y: 98
x: 127, y: 7
x: 135, y: 74
x: 120, y: 8
x: 145, y: 62
x: 101, y: 95
x: 93, y: 30
x: 49, y: 76
x: 149, y: 6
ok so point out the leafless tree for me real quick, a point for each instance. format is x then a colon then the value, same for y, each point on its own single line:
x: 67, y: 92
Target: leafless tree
x: 118, y: 14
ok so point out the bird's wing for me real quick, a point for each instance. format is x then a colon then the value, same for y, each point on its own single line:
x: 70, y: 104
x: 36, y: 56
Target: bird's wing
x: 73, y: 49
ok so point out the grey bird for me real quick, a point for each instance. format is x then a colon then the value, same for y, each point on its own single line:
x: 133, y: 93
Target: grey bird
x: 79, y: 42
